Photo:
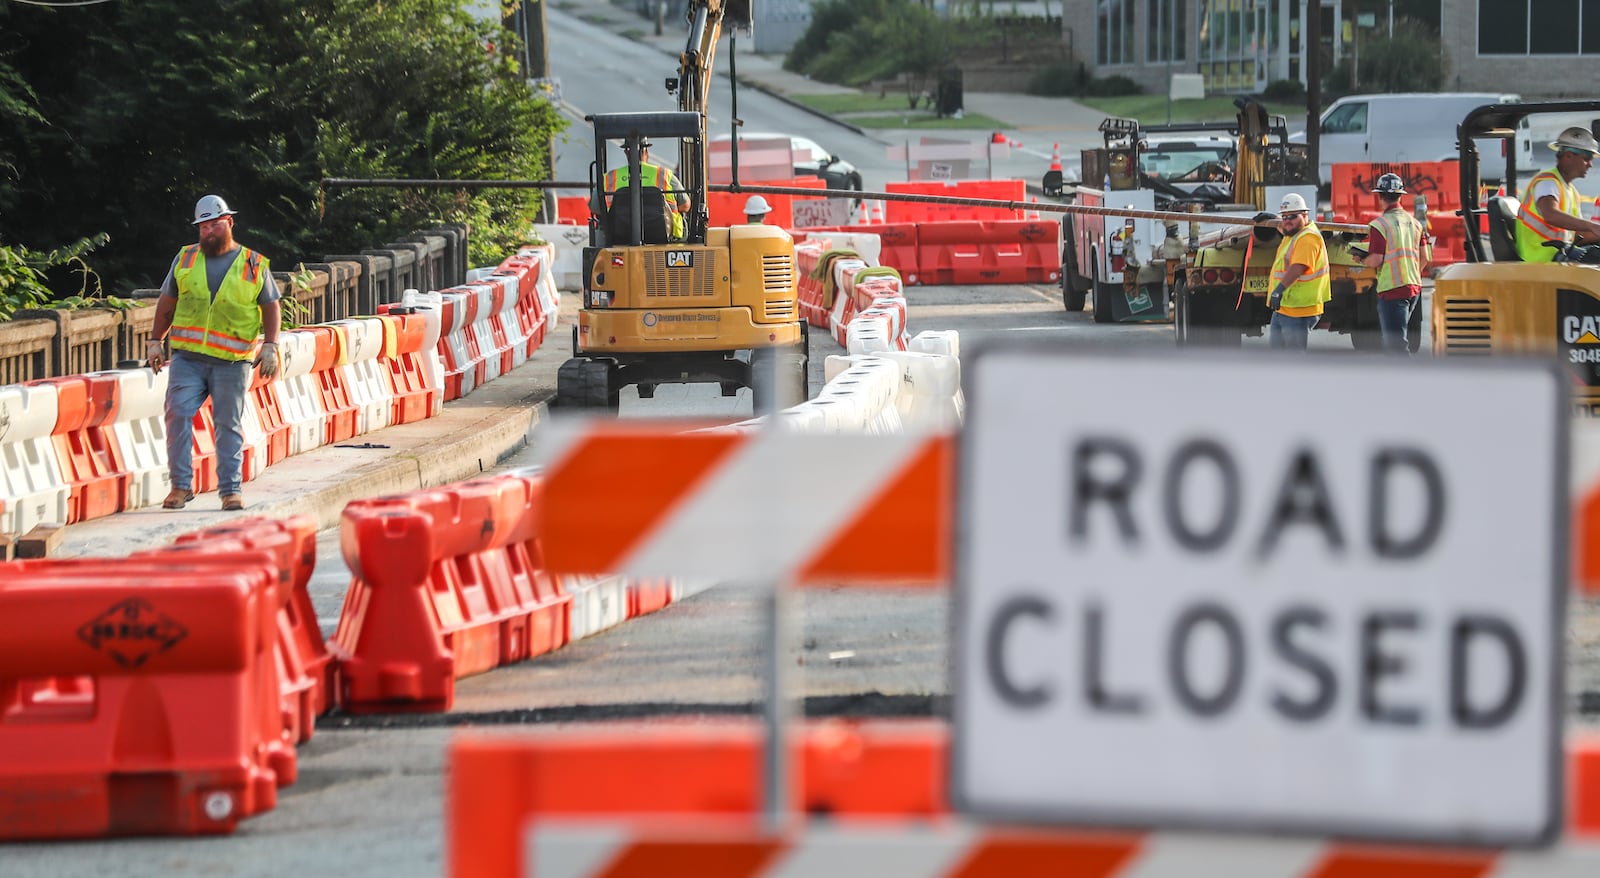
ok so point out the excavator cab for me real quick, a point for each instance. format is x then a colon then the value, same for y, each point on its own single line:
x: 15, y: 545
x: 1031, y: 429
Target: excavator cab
x: 1494, y: 303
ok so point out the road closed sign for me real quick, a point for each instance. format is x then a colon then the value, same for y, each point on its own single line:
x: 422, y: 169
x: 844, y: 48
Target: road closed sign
x: 1295, y: 594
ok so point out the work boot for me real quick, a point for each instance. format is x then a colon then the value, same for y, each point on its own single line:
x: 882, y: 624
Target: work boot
x: 177, y: 499
x: 232, y: 502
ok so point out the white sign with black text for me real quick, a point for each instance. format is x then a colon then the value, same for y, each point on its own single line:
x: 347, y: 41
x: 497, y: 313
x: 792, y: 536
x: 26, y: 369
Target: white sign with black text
x: 1306, y: 594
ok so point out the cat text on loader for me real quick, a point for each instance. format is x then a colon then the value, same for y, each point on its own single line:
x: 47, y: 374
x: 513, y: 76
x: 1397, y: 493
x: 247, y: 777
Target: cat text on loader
x: 1495, y: 303
x: 719, y: 306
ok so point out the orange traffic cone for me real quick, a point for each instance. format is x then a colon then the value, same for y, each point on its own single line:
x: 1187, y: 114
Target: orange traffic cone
x: 1033, y: 212
x: 880, y: 211
x: 862, y: 218
x: 1055, y: 157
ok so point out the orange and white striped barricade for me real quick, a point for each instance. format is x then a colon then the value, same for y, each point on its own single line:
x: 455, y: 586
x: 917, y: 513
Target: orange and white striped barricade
x: 459, y: 372
x: 139, y: 433
x: 446, y: 583
x: 513, y: 317
x: 300, y: 392
x: 170, y: 737
x: 599, y: 603
x: 257, y: 444
x: 404, y: 363
x: 338, y: 406
x: 843, y: 272
x: 267, y: 403
x: 33, y: 485
x: 869, y: 333
x: 431, y: 306
x: 307, y: 683
x: 364, y: 372
x: 85, y: 404
x: 545, y: 286
x: 807, y: 255
x: 482, y: 341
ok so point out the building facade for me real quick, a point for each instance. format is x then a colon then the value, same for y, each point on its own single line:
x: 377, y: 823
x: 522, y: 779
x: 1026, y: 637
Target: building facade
x: 1536, y: 48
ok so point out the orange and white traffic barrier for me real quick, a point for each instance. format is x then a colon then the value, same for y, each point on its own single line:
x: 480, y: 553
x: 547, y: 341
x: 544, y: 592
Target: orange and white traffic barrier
x: 299, y: 393
x: 362, y: 372
x: 33, y: 490
x: 84, y: 444
x: 620, y: 796
x: 446, y: 582
x: 410, y: 362
x: 140, y: 431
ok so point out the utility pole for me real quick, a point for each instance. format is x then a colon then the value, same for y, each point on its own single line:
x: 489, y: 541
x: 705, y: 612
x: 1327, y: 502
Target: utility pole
x: 530, y: 21
x: 1313, y: 49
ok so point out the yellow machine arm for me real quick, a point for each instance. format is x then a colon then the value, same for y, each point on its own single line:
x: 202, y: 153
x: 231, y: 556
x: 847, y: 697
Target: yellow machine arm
x: 706, y: 20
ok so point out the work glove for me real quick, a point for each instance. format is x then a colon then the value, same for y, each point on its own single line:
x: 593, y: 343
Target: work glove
x: 1276, y: 299
x: 267, y: 360
x: 155, y: 354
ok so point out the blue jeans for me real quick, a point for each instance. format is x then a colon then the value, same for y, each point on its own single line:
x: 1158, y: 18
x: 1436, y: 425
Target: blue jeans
x: 1290, y: 333
x: 1394, y: 315
x: 191, y: 379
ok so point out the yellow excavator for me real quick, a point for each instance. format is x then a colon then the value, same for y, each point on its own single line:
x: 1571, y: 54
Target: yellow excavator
x: 718, y: 305
x: 1496, y: 304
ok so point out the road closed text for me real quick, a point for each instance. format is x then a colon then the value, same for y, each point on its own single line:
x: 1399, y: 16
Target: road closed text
x: 1293, y: 647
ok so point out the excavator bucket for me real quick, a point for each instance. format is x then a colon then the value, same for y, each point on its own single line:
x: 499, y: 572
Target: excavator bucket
x: 738, y: 14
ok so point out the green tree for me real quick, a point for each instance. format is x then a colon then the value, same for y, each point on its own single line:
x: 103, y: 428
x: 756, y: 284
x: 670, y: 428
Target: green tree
x: 152, y: 104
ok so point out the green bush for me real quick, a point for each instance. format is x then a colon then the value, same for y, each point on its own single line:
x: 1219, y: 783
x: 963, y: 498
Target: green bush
x: 1073, y: 81
x: 1285, y: 90
x: 1412, y: 59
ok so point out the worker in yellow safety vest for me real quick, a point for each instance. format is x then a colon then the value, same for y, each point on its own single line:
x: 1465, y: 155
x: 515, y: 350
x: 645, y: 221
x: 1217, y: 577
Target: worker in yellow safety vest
x: 1549, y: 210
x: 651, y: 174
x: 1299, y: 275
x: 1398, y: 248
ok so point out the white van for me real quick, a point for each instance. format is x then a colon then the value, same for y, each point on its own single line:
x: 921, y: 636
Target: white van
x: 1407, y: 128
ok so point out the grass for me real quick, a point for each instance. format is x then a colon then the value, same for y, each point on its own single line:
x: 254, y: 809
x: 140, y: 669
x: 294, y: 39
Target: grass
x: 1152, y: 109
x: 930, y: 121
x: 852, y: 102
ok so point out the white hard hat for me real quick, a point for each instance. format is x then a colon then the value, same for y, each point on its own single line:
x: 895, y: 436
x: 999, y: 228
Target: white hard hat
x: 756, y: 205
x: 1293, y: 203
x: 209, y: 208
x: 1576, y: 139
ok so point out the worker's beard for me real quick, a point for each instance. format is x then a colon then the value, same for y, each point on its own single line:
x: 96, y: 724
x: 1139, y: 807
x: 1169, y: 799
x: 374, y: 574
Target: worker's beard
x: 214, y: 242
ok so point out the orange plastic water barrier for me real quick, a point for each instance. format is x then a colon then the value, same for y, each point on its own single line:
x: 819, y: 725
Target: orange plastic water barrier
x: 447, y: 582
x: 1438, y: 182
x: 132, y: 696
x: 999, y: 252
x: 919, y: 212
x: 880, y: 769
x: 497, y: 783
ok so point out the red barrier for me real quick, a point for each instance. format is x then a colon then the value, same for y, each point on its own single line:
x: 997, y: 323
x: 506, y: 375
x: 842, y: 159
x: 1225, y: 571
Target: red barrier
x: 85, y: 407
x: 727, y: 208
x: 342, y: 410
x: 204, y: 454
x: 447, y: 583
x: 407, y: 369
x: 167, y: 736
x: 1009, y: 252
x: 648, y: 595
x: 1438, y: 182
x: 273, y: 423
x: 886, y: 769
x: 306, y: 682
x: 917, y: 212
x: 573, y: 209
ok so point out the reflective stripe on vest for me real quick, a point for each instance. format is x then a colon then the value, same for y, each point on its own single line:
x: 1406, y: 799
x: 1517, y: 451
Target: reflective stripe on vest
x: 1532, y: 230
x: 225, y: 326
x: 1313, y: 288
x: 1400, y: 265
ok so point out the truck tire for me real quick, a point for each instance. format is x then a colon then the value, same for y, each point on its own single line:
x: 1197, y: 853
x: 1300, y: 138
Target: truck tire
x: 1102, y: 294
x: 1180, y: 311
x: 1073, y: 295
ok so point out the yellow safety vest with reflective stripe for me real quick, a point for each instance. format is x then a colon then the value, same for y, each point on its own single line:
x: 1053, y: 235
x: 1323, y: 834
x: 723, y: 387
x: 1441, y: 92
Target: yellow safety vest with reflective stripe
x: 1313, y: 288
x: 1532, y: 230
x: 1402, y: 259
x: 225, y: 327
x: 649, y: 175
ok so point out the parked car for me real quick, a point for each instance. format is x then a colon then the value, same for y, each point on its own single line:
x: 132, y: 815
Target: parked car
x: 810, y: 159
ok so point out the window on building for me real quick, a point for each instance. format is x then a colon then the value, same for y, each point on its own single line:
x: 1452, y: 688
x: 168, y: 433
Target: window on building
x: 1538, y: 27
x: 1114, y: 32
x: 1166, y: 30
